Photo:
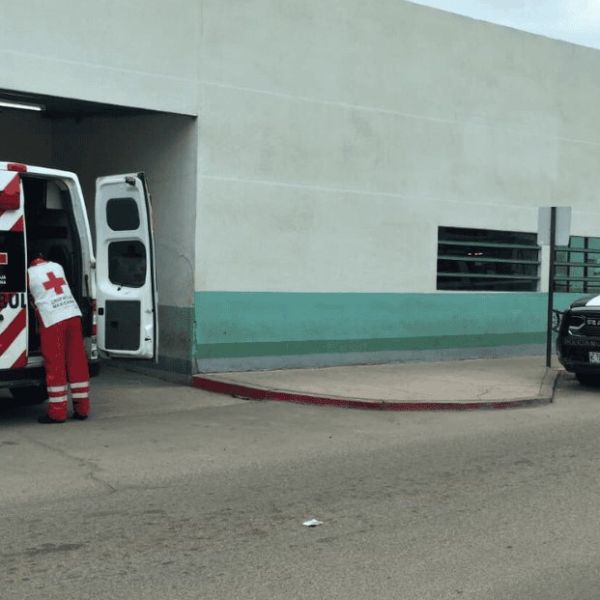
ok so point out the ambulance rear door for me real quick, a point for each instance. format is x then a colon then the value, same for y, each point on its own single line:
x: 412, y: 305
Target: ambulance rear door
x: 13, y: 270
x: 125, y: 273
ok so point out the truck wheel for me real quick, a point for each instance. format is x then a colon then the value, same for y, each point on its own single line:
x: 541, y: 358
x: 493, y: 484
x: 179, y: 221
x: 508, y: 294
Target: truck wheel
x: 588, y: 379
x: 34, y: 394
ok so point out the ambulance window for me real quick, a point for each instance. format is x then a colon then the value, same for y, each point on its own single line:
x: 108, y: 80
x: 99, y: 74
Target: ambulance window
x: 127, y: 263
x: 122, y: 214
x: 56, y: 196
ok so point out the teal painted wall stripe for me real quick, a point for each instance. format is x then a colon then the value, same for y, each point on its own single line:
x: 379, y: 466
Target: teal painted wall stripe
x: 290, y: 348
x: 244, y: 324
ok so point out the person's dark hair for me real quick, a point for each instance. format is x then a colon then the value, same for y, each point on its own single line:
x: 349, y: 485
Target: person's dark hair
x: 34, y: 252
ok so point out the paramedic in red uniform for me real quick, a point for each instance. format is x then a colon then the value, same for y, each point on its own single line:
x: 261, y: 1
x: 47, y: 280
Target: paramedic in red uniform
x: 61, y: 341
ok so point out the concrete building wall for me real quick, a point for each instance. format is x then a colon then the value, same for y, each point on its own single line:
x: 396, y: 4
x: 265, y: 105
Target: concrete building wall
x: 299, y: 214
x: 140, y: 53
x: 336, y: 142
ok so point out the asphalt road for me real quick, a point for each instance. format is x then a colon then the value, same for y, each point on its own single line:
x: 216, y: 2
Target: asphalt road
x: 169, y: 492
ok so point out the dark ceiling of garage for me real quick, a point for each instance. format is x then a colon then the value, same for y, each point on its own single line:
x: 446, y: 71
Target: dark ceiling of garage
x: 65, y: 108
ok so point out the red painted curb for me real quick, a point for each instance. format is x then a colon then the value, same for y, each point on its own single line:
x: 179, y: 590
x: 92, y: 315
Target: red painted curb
x: 244, y: 391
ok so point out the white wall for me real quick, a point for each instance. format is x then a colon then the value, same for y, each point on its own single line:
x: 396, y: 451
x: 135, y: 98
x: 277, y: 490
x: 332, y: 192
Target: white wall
x: 335, y: 138
x: 140, y: 53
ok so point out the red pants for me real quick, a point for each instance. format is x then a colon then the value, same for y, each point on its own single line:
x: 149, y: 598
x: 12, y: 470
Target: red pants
x: 65, y: 360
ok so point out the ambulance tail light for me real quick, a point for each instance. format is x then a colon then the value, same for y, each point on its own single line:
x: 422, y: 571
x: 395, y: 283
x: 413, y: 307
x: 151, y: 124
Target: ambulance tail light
x: 94, y: 330
x: 19, y: 167
x: 94, y: 318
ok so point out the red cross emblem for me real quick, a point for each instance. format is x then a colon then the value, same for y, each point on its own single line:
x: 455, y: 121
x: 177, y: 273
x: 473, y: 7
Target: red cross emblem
x: 55, y: 283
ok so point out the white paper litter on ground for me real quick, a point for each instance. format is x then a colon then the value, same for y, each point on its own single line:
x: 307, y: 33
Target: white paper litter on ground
x: 312, y: 523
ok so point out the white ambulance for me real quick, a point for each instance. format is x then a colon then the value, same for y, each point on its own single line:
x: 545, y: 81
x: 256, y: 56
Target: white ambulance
x: 43, y: 210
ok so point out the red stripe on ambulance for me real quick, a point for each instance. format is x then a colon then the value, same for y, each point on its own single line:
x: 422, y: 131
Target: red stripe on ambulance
x: 13, y: 297
x: 12, y: 331
x: 11, y: 357
x: 10, y: 219
x: 18, y: 226
x: 21, y: 362
x: 13, y: 334
x: 11, y: 194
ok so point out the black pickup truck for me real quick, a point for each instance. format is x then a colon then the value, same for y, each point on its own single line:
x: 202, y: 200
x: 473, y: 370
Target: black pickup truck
x: 578, y: 339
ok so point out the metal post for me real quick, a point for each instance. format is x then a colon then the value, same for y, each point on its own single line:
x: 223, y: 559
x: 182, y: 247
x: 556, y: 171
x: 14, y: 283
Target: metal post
x: 551, y: 286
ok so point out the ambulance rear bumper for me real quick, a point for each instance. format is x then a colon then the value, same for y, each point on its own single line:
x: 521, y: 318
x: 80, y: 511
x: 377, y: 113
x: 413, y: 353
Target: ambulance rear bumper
x: 22, y: 377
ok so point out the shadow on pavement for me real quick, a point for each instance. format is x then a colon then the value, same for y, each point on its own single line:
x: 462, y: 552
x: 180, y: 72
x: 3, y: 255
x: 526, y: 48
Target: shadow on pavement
x: 17, y: 412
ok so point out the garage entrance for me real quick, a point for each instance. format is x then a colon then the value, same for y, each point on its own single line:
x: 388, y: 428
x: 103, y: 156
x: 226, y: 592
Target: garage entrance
x: 93, y: 140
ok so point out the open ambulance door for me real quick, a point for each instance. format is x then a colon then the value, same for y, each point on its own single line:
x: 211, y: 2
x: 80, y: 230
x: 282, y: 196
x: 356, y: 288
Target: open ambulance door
x: 125, y: 272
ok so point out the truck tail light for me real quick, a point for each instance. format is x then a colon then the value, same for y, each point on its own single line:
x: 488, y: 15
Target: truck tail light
x: 19, y: 167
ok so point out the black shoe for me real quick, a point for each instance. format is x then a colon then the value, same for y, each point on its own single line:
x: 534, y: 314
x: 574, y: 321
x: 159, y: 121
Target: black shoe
x: 45, y: 419
x: 79, y: 417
